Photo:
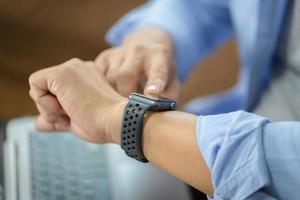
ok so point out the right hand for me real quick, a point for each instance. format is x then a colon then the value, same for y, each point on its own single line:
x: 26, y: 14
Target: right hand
x: 145, y: 55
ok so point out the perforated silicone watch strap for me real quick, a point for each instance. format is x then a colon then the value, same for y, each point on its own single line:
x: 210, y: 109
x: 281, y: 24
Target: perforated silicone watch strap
x: 132, y: 129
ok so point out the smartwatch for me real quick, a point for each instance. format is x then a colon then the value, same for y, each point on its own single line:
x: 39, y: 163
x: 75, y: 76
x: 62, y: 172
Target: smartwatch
x: 132, y: 122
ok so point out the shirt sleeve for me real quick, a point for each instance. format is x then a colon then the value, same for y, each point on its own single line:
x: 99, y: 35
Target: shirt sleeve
x: 281, y: 143
x: 232, y: 148
x: 196, y: 27
x: 221, y: 102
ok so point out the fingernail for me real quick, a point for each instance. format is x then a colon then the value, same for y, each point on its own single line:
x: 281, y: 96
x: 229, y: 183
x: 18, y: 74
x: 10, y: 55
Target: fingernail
x: 152, y: 88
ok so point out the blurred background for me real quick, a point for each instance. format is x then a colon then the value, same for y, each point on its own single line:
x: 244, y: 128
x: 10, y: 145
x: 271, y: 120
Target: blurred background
x: 35, y: 34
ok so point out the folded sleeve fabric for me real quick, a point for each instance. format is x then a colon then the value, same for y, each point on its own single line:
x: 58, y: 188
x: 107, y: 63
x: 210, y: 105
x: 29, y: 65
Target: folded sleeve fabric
x: 232, y: 148
x: 196, y: 27
x: 250, y: 157
x: 281, y: 142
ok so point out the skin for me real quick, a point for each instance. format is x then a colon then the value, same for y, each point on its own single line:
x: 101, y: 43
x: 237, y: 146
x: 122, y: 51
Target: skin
x: 76, y: 96
x: 143, y: 61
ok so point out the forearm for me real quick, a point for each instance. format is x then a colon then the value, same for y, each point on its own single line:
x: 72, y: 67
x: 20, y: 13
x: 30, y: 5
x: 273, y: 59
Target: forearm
x: 169, y: 141
x: 168, y: 138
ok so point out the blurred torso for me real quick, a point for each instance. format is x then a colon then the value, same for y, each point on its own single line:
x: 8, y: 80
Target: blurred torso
x: 281, y: 100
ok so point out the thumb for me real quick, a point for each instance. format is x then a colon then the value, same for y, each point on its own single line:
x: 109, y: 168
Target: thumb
x: 157, y: 80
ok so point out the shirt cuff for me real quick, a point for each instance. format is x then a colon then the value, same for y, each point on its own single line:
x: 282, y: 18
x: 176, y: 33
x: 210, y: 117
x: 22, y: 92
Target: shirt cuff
x: 232, y: 148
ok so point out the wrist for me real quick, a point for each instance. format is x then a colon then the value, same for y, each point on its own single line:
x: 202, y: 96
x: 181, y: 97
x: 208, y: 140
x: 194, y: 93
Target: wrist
x: 116, y: 121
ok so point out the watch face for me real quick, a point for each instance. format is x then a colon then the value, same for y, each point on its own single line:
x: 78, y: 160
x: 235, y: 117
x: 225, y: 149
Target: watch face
x: 158, y: 103
x: 147, y: 98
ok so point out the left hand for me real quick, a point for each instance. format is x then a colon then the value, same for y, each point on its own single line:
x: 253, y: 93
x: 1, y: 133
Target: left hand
x: 75, y: 97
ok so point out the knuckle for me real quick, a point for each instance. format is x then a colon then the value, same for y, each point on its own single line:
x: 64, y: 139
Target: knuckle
x: 64, y: 70
x: 74, y: 61
x: 159, y: 70
x: 136, y: 49
x: 102, y: 56
x: 31, y: 94
x: 108, y: 56
x: 31, y: 78
x: 102, y: 61
x: 114, y: 51
x: 160, y: 73
x: 89, y: 63
x: 126, y: 74
x: 161, y: 49
x: 109, y: 52
x: 112, y: 77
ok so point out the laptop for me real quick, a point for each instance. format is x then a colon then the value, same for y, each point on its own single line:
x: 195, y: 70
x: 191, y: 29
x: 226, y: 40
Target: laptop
x: 60, y: 166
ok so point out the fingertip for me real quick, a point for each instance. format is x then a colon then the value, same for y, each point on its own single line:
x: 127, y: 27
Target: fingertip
x: 151, y: 89
x: 155, y: 87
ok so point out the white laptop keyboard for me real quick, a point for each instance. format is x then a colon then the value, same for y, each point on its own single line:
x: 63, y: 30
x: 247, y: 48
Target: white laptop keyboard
x: 65, y: 168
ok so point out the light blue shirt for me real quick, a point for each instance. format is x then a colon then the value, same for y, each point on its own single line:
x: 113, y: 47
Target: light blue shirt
x: 197, y: 27
x: 249, y: 156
